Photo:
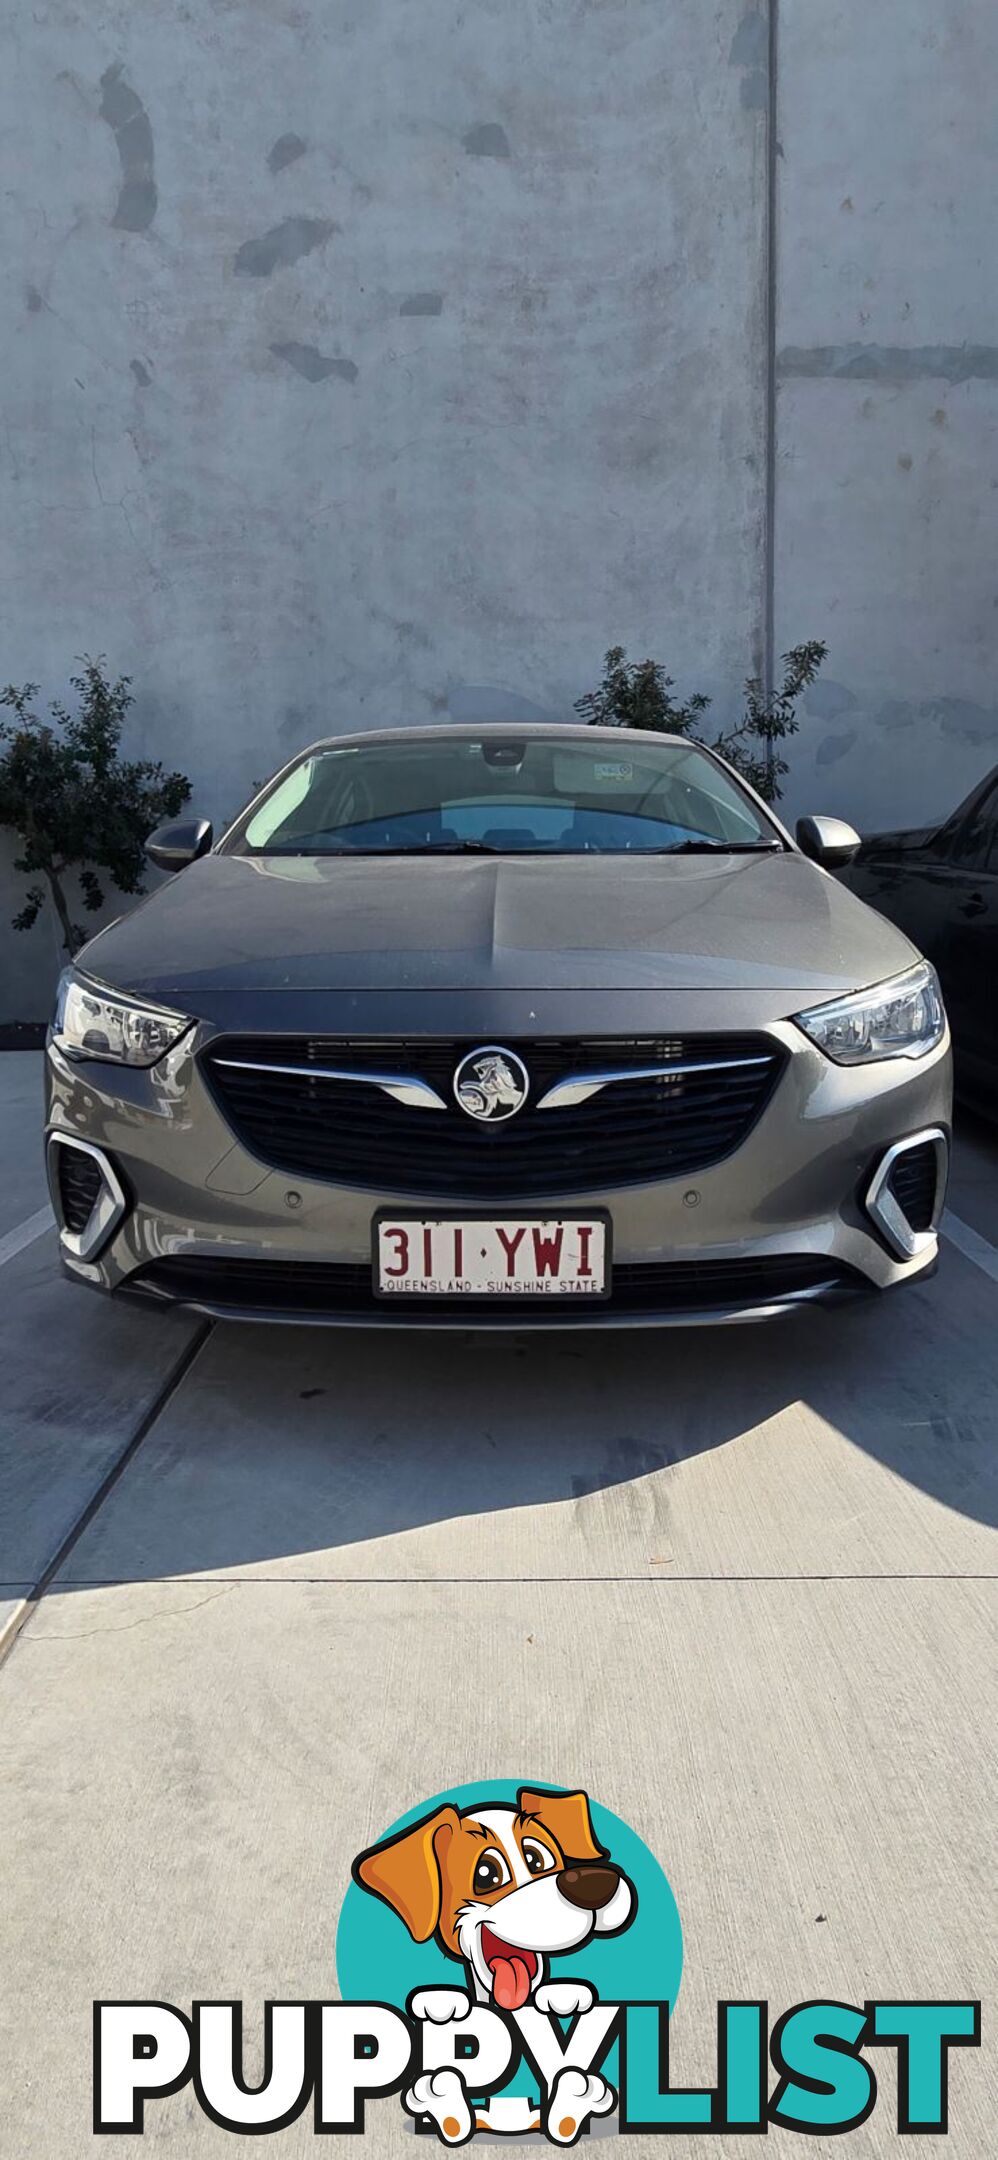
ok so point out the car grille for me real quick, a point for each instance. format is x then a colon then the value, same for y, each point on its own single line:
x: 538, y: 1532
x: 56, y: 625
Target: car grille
x: 633, y: 1131
x: 79, y: 1187
x: 913, y: 1183
x: 320, y: 1290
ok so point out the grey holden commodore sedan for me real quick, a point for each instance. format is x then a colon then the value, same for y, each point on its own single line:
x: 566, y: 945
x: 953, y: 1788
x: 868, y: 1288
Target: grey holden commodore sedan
x: 537, y: 1026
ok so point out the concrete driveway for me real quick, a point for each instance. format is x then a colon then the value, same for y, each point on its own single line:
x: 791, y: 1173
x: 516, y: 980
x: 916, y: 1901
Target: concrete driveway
x: 282, y: 1585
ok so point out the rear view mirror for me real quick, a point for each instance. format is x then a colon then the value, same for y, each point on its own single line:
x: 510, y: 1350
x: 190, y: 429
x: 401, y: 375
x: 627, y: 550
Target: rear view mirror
x: 172, y: 847
x: 827, y: 840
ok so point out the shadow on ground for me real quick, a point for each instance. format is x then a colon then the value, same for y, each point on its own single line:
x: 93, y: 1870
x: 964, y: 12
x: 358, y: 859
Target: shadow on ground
x: 553, y: 1455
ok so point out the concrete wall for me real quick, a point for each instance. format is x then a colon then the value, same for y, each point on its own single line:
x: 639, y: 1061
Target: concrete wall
x: 379, y: 360
x: 887, y: 420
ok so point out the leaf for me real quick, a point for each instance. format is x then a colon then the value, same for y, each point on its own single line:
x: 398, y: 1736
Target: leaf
x: 31, y: 910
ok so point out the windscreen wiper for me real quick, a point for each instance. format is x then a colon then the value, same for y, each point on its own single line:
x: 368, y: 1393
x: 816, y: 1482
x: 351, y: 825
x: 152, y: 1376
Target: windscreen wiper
x: 719, y: 847
x: 415, y: 847
x: 429, y: 847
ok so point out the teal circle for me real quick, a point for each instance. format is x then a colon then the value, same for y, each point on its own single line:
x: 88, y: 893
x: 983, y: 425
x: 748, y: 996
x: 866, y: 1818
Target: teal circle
x: 377, y: 1960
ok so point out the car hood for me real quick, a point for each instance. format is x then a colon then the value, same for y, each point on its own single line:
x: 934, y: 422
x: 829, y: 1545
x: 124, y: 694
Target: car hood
x: 233, y: 925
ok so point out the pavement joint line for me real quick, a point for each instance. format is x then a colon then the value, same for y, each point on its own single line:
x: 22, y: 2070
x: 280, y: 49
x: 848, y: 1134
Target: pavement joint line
x: 29, y: 1604
x: 970, y: 1243
x: 459, y: 1582
x: 25, y: 1233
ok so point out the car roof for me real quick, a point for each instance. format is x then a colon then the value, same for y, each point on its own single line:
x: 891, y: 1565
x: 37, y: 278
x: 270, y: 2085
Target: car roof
x: 494, y: 730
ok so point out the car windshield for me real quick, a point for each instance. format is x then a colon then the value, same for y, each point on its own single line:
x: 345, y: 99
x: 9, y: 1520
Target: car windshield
x: 534, y: 795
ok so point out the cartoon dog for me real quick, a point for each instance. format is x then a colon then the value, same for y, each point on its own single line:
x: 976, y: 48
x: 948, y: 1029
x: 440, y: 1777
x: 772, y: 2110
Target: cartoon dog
x: 502, y: 1889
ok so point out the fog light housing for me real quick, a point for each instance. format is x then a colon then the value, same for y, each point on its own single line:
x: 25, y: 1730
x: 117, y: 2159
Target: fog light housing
x: 905, y: 1196
x: 87, y: 1194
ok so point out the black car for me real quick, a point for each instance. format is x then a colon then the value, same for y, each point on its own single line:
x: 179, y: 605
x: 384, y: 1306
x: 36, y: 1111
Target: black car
x: 941, y: 888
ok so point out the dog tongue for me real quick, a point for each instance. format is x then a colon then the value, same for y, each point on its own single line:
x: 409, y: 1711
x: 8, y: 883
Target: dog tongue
x: 510, y: 1983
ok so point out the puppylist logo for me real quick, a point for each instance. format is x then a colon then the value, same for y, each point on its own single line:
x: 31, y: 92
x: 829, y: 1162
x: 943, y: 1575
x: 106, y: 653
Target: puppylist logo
x: 508, y: 1958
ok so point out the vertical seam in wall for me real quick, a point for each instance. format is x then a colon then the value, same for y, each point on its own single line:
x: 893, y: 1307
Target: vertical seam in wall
x: 770, y: 273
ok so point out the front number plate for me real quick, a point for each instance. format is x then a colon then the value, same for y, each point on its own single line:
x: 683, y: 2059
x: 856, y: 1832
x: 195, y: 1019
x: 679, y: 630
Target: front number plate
x: 496, y: 1256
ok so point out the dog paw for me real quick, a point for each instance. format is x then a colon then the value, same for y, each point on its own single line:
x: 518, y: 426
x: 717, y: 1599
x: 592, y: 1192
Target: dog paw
x: 564, y: 1998
x: 575, y: 2095
x: 441, y: 2095
x: 441, y: 2006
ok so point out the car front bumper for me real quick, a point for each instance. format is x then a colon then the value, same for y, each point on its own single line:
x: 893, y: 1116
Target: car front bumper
x: 191, y: 1216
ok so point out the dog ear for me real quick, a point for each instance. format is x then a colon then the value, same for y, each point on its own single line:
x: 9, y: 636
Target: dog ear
x: 567, y: 1817
x: 405, y: 1871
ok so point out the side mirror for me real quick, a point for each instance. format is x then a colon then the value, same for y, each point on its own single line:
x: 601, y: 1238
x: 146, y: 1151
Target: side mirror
x: 172, y: 847
x: 827, y: 840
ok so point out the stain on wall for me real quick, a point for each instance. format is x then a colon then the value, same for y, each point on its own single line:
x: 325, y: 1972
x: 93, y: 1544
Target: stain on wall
x: 472, y: 703
x: 487, y: 140
x: 835, y: 747
x: 750, y: 51
x: 283, y: 245
x: 962, y: 719
x: 755, y: 91
x: 750, y: 44
x: 286, y: 150
x: 313, y: 365
x: 906, y: 761
x: 826, y: 699
x: 129, y: 123
x: 423, y: 303
x: 890, y: 363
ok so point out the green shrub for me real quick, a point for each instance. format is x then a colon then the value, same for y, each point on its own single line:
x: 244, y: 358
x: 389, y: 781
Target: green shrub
x: 73, y: 802
x: 638, y: 694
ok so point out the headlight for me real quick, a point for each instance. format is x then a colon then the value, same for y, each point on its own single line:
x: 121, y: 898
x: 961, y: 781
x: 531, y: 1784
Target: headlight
x: 900, y: 1018
x: 89, y: 1022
